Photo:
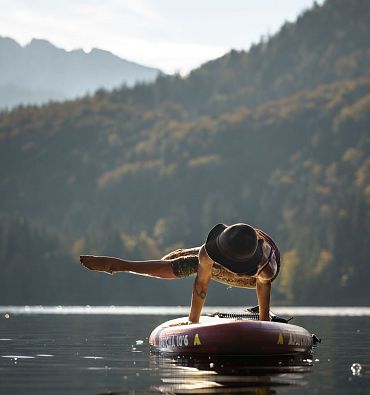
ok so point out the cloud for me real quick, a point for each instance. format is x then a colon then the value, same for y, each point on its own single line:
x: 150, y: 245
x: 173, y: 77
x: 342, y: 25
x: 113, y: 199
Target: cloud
x: 174, y: 56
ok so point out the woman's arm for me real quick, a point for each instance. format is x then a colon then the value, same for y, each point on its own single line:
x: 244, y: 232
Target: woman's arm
x: 263, y: 288
x: 200, y: 287
x: 263, y: 284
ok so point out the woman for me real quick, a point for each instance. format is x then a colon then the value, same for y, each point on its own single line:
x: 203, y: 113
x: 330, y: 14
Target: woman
x: 237, y: 255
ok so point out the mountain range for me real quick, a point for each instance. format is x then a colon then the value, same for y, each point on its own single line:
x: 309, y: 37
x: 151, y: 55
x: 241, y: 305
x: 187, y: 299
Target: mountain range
x: 40, y: 72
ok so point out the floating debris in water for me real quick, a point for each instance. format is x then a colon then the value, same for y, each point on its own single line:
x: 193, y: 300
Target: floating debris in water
x: 137, y: 343
x: 7, y: 316
x: 92, y: 357
x: 356, y: 369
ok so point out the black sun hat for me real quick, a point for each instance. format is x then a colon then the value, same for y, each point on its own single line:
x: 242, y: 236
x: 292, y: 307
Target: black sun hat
x: 235, y: 247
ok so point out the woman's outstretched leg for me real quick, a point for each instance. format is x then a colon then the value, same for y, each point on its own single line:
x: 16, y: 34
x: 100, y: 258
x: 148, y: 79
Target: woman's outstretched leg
x: 154, y: 268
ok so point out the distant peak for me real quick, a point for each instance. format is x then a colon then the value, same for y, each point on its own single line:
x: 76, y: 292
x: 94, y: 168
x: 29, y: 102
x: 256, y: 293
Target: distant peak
x: 40, y: 43
x: 98, y: 51
x: 9, y: 41
x: 78, y: 51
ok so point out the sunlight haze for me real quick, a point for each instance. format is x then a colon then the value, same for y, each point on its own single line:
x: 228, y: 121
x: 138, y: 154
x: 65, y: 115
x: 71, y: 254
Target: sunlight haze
x: 172, y: 35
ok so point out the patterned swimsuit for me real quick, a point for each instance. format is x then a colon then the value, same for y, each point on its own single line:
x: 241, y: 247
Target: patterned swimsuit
x: 185, y: 263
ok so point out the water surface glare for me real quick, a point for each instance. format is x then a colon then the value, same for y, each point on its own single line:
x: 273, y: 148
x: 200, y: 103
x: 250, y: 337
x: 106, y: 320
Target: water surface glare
x: 182, y: 310
x: 104, y: 353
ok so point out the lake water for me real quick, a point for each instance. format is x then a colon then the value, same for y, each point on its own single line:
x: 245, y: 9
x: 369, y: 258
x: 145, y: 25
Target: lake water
x: 82, y: 350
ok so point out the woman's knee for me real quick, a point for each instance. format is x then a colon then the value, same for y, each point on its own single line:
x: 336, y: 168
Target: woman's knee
x: 185, y: 266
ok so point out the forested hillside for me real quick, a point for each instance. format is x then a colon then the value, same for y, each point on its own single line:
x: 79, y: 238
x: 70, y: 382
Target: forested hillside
x: 277, y: 137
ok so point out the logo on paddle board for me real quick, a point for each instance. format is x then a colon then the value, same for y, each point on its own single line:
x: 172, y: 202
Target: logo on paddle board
x: 299, y: 340
x: 280, y: 339
x: 178, y: 341
x: 197, y: 340
x: 173, y: 341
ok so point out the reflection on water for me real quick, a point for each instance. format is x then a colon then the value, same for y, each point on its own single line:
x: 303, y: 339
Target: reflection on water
x: 109, y: 354
x: 295, y: 311
x: 228, y: 374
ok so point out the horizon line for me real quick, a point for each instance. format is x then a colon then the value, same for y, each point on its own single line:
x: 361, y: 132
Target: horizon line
x: 318, y: 311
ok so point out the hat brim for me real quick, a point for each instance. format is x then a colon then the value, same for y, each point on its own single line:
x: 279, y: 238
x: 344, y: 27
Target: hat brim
x: 215, y: 254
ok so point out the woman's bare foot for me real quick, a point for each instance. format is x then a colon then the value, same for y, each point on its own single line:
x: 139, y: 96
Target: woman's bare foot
x: 97, y: 263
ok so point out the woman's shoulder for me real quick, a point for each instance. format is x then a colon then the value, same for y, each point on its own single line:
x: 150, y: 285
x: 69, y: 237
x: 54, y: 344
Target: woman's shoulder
x: 204, y: 258
x: 268, y: 267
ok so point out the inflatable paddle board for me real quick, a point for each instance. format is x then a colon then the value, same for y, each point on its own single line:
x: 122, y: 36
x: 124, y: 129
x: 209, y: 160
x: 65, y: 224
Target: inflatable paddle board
x: 230, y: 334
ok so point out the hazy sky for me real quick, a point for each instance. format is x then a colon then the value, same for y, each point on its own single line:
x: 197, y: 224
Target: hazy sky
x: 174, y: 35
